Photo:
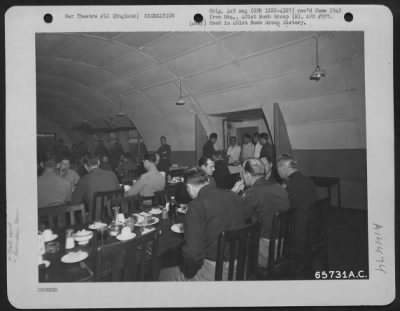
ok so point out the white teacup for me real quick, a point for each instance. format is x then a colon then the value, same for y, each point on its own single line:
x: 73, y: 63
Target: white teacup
x: 47, y: 234
x: 121, y: 218
x: 126, y: 231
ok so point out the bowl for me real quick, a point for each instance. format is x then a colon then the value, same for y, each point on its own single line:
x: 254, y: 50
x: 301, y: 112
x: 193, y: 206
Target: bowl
x: 83, y: 236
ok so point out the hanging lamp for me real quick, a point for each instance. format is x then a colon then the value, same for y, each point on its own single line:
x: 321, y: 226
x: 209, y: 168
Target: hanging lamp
x: 318, y: 73
x: 180, y: 101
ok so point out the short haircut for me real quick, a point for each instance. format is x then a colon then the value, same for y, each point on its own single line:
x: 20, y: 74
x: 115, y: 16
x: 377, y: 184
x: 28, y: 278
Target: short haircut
x: 268, y: 157
x: 256, y: 135
x: 232, y: 137
x: 151, y: 157
x: 50, y: 164
x: 195, y: 176
x: 65, y: 157
x: 163, y: 137
x: 246, y: 136
x: 254, y: 166
x: 213, y: 135
x: 264, y: 136
x: 203, y: 161
x: 287, y: 157
x: 93, y: 161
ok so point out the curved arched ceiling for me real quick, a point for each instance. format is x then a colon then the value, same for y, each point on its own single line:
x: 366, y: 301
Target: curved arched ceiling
x: 86, y: 75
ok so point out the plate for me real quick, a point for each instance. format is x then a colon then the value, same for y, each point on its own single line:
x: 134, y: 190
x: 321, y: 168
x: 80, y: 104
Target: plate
x: 52, y: 238
x: 155, y: 211
x: 74, y: 257
x: 153, y: 221
x: 46, y: 263
x: 96, y: 226
x: 177, y: 228
x: 125, y: 238
x: 182, y: 210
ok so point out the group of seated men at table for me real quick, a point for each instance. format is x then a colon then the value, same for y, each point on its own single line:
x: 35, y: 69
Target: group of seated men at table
x: 254, y: 198
x: 213, y: 209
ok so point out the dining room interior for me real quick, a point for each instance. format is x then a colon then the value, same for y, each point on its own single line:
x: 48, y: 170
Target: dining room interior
x: 138, y: 104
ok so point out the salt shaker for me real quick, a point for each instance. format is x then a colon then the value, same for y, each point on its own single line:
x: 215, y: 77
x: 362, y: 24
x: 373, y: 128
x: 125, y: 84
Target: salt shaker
x: 69, y: 239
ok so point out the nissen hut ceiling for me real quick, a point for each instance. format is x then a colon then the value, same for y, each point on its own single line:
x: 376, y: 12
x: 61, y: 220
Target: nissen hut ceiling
x: 85, y: 76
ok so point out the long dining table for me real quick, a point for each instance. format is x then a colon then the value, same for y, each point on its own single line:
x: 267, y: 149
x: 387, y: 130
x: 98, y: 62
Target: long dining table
x: 58, y: 271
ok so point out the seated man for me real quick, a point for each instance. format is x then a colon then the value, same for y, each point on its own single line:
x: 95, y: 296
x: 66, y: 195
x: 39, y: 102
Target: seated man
x: 52, y: 189
x: 268, y: 165
x: 105, y: 163
x: 95, y: 180
x: 222, y: 175
x: 262, y: 199
x: 68, y: 173
x: 301, y: 191
x: 149, y: 182
x: 211, y: 212
x: 207, y: 165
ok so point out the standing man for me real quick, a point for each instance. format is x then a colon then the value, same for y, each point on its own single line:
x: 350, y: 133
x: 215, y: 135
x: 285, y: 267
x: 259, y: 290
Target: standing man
x: 302, y: 193
x: 247, y: 148
x: 211, y: 212
x: 165, y: 154
x: 116, y: 152
x: 257, y: 145
x: 267, y: 148
x: 233, y: 151
x: 208, y: 148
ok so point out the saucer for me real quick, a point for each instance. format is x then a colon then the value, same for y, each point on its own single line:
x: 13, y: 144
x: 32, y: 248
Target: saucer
x: 74, y: 257
x: 155, y: 211
x: 52, y: 238
x: 153, y: 221
x: 97, y: 226
x: 177, y: 228
x: 125, y: 238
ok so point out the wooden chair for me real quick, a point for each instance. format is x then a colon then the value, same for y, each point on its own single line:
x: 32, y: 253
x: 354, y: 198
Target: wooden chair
x: 62, y: 216
x: 133, y: 260
x: 159, y: 198
x: 316, y: 241
x: 240, y: 247
x: 129, y: 204
x: 281, y: 264
x: 101, y: 207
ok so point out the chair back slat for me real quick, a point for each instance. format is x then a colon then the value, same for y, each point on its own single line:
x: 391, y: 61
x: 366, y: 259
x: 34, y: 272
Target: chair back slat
x: 130, y: 204
x: 280, y: 242
x: 129, y: 260
x: 101, y: 207
x: 57, y: 216
x: 243, y: 252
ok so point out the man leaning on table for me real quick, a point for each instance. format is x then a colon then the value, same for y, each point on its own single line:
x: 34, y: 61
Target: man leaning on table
x: 261, y: 200
x: 211, y: 212
x: 149, y: 182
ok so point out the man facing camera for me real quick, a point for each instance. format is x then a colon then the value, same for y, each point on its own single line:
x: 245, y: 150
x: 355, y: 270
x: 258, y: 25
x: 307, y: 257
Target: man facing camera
x: 211, y: 212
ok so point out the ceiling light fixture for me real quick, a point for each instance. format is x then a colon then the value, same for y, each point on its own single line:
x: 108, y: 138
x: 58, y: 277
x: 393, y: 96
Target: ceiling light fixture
x: 180, y: 101
x: 318, y: 73
x: 120, y: 113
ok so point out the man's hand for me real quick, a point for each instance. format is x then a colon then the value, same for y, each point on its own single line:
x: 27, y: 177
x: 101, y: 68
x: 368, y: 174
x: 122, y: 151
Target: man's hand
x: 239, y: 186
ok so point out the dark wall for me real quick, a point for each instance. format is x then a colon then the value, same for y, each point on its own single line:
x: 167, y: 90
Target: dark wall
x: 185, y: 158
x: 350, y: 165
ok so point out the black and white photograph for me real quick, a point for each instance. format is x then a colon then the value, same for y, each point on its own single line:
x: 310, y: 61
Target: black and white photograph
x: 180, y: 158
